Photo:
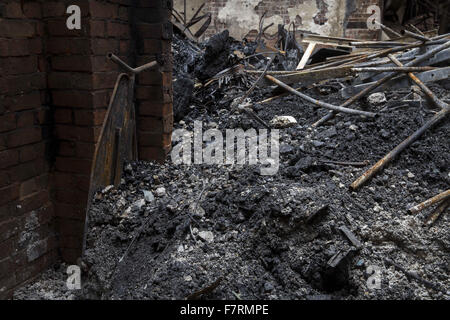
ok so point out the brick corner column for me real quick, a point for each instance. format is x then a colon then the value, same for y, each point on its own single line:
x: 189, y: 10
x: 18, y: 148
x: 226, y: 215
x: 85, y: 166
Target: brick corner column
x: 154, y: 88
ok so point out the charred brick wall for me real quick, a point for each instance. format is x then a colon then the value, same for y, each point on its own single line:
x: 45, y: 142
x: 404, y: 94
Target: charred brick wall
x: 154, y: 90
x: 356, y: 26
x: 27, y: 236
x: 326, y: 17
x: 54, y: 91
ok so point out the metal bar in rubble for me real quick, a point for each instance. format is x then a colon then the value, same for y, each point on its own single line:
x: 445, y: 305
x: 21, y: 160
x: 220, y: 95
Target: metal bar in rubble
x: 431, y: 219
x: 415, y: 35
x: 394, y: 69
x: 399, y: 82
x: 397, y: 150
x: 440, y: 57
x: 318, y: 102
x: 386, y: 79
x: 438, y: 102
x: 429, y: 202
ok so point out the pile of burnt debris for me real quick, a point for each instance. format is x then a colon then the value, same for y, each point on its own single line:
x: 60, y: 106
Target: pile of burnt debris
x: 356, y: 210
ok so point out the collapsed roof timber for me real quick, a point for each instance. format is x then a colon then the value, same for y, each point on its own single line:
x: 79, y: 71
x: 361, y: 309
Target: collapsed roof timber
x: 361, y: 186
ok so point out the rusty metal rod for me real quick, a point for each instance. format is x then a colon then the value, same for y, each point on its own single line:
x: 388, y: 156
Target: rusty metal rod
x: 387, y: 29
x: 393, y: 45
x: 438, y: 102
x: 397, y: 150
x: 129, y: 69
x: 415, y: 35
x: 441, y: 196
x: 416, y: 30
x: 431, y: 219
x: 393, y: 69
x: 384, y: 80
x: 330, y: 115
x: 318, y: 102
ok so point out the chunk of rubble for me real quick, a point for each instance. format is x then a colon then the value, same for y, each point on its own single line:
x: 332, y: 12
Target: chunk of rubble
x: 148, y: 196
x: 207, y: 236
x: 377, y: 98
x: 160, y: 192
x: 283, y: 122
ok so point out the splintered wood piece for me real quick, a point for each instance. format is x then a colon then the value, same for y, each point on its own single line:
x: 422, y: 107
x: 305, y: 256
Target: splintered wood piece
x: 306, y: 55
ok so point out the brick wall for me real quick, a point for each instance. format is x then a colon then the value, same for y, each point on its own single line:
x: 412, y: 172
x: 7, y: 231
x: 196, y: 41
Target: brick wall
x: 357, y: 21
x: 320, y: 9
x: 54, y: 96
x: 154, y: 90
x: 27, y: 237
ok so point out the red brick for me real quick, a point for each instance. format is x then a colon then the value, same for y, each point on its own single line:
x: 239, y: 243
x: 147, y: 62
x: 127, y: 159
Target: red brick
x: 26, y: 82
x: 25, y: 119
x: 89, y: 118
x: 63, y: 180
x: 119, y: 30
x: 76, y: 46
x: 32, y: 10
x: 103, y: 10
x: 104, y: 46
x: 28, y: 170
x: 32, y: 202
x: 28, y: 153
x: 73, y: 165
x: 154, y: 93
x: 71, y: 242
x: 72, y: 63
x: 6, y: 285
x: 8, y: 194
x: 70, y: 255
x: 153, y: 153
x: 73, y: 133
x: 148, y: 108
x: 17, y: 28
x: 20, y: 65
x: 14, y: 10
x: 58, y: 27
x: 72, y: 98
x: 24, y: 136
x: 66, y: 149
x: 70, y: 196
x: 70, y: 80
x: 63, y: 115
x: 152, y: 124
x: 104, y: 80
x: 20, y: 47
x: 125, y: 47
x: 6, y: 267
x: 23, y: 101
x: 155, y: 78
x: 84, y: 149
x: 4, y: 180
x: 7, y: 122
x: 8, y: 158
x: 150, y: 139
x: 9, y: 228
x: 70, y: 227
x: 28, y: 187
x: 54, y: 8
x: 97, y: 28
